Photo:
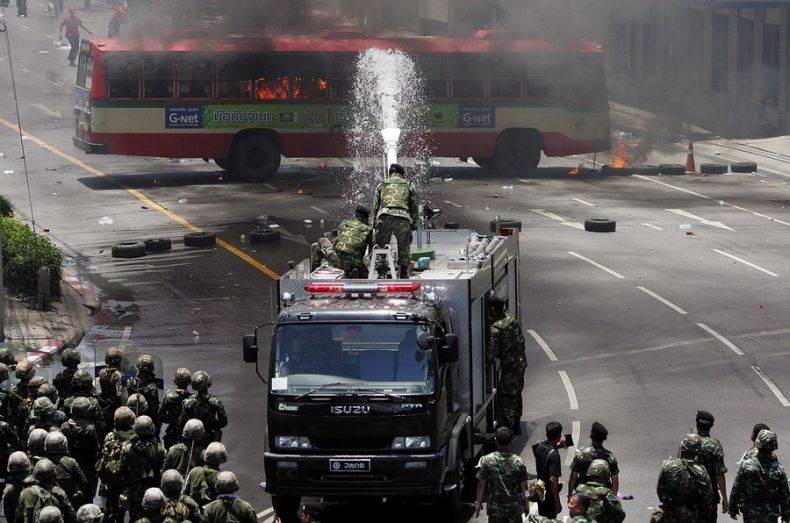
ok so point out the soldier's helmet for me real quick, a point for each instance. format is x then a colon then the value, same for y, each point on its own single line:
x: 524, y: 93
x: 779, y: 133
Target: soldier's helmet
x: 766, y: 440
x: 215, y: 454
x: 24, y: 370
x: 363, y: 213
x: 49, y: 515
x: 599, y: 469
x: 70, y: 358
x: 123, y: 419
x: 81, y: 408
x: 43, y: 407
x: 172, y: 482
x: 34, y: 384
x: 144, y: 426
x: 690, y: 444
x: 56, y: 443
x: 182, y: 378
x: 35, y: 441
x: 113, y: 356
x: 82, y: 379
x: 226, y: 482
x: 145, y: 363
x: 44, y: 471
x: 7, y: 357
x: 137, y: 403
x: 48, y: 390
x: 201, y: 380
x: 153, y: 500
x: 4, y: 373
x: 19, y: 462
x: 89, y: 513
x: 193, y: 429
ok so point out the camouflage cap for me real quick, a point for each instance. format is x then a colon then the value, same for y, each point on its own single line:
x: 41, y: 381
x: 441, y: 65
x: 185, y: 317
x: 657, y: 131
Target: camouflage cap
x: 48, y: 390
x: 137, y: 403
x: 766, y: 440
x: 691, y: 443
x: 50, y: 514
x: 24, y: 370
x: 43, y: 407
x: 599, y: 468
x: 182, y: 377
x: 19, y: 462
x: 89, y: 513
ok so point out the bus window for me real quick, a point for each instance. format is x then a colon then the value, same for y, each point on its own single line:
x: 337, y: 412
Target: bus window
x: 233, y: 78
x: 158, y: 77
x: 540, y: 82
x: 124, y: 76
x: 506, y: 77
x: 271, y: 79
x: 340, y: 80
x: 309, y: 78
x: 434, y: 70
x: 85, y: 72
x: 583, y: 87
x: 194, y: 77
x: 468, y: 74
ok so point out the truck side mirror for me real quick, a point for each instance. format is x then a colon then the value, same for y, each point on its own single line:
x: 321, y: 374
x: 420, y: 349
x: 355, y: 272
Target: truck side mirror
x: 425, y: 340
x: 450, y: 348
x: 250, y: 348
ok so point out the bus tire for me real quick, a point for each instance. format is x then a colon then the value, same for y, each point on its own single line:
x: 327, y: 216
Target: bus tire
x: 600, y: 225
x: 158, y: 244
x: 672, y: 169
x: 743, y: 167
x: 255, y: 157
x: 200, y: 239
x: 712, y: 168
x: 484, y: 163
x: 222, y: 163
x: 516, y: 150
x: 287, y: 508
x: 134, y: 249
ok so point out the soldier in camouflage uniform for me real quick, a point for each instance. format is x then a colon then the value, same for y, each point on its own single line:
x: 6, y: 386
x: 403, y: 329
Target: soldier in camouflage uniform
x: 145, y: 383
x: 109, y: 469
x: 711, y: 456
x: 178, y: 506
x: 48, y: 390
x: 507, y: 344
x: 205, y: 406
x: 578, y: 505
x: 18, y: 479
x: 35, y: 445
x: 188, y: 452
x: 24, y: 372
x: 9, y: 442
x: 347, y: 252
x: 170, y: 410
x: 44, y: 474
x: 752, y: 452
x: 586, y: 455
x: 684, y: 487
x: 152, y: 503
x: 82, y: 387
x: 604, y: 505
x: 44, y: 415
x: 68, y: 473
x: 84, y: 440
x: 228, y: 504
x: 11, y: 404
x: 760, y: 490
x: 142, y: 460
x: 504, y: 475
x: 202, y: 481
x: 396, y: 213
x: 62, y: 381
x: 111, y: 391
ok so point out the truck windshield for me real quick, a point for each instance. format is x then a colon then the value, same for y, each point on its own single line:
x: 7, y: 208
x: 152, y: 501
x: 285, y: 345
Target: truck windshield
x: 348, y: 358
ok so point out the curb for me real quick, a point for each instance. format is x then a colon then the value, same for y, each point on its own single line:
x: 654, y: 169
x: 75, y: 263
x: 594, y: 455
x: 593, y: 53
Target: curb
x: 84, y: 288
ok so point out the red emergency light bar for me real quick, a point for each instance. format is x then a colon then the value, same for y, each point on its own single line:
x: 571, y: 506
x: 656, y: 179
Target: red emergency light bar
x: 362, y: 288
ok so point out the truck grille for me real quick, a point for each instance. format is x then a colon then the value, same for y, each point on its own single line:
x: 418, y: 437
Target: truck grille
x: 354, y: 444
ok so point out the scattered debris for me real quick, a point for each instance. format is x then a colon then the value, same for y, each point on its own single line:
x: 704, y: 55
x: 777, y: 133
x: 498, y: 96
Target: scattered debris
x: 684, y: 226
x: 182, y: 200
x: 105, y: 220
x: 8, y: 171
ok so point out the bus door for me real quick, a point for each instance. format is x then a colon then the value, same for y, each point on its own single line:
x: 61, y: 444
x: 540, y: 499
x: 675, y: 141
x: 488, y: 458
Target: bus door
x: 82, y: 91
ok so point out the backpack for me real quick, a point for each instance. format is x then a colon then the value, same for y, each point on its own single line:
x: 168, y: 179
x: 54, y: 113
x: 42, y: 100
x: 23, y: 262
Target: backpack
x: 231, y: 516
x: 106, y: 384
x: 176, y: 509
x: 43, y: 500
x: 110, y: 466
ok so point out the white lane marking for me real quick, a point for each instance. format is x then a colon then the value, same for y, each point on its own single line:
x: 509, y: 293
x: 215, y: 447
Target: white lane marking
x: 596, y: 264
x: 671, y: 186
x: 26, y: 70
x: 270, y: 186
x: 721, y: 338
x: 771, y: 385
x: 25, y: 27
x: 522, y: 180
x: 127, y: 333
x: 766, y: 271
x: 454, y: 204
x: 700, y: 219
x: 588, y: 204
x: 777, y: 220
x: 576, y: 430
x: 318, y: 209
x: 569, y: 389
x: 662, y: 300
x: 543, y: 345
x: 265, y: 513
x: 560, y: 219
x: 653, y: 226
x: 270, y: 519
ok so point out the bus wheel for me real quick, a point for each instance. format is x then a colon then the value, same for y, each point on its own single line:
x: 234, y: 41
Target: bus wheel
x: 516, y: 150
x: 287, y: 508
x: 222, y: 163
x: 485, y: 163
x: 255, y: 158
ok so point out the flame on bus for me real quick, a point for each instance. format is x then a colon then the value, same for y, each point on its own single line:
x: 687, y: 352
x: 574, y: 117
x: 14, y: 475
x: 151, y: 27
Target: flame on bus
x: 277, y: 88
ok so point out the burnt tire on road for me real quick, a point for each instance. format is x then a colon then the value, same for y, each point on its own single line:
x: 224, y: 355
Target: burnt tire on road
x: 672, y: 169
x: 600, y: 225
x: 264, y: 236
x: 135, y: 249
x: 712, y: 168
x: 158, y: 244
x: 646, y: 170
x: 743, y: 167
x: 611, y: 170
x: 200, y: 239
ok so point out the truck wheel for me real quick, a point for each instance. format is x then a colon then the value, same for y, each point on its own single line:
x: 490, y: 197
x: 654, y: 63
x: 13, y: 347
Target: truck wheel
x: 600, y: 225
x: 287, y: 508
x: 453, y: 500
x: 222, y: 163
x: 485, y: 163
x: 255, y: 158
x: 128, y: 250
x: 516, y: 150
x: 200, y: 239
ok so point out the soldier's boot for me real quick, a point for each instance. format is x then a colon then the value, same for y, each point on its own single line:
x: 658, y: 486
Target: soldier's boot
x: 404, y: 272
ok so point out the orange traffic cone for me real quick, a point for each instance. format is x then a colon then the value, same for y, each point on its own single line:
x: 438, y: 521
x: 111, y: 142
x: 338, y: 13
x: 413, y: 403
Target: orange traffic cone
x: 691, y: 168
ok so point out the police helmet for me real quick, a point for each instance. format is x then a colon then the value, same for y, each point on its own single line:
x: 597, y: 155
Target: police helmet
x: 113, y: 357
x: 50, y: 514
x: 70, y: 358
x: 137, y: 403
x: 24, y: 370
x: 145, y: 363
x: 56, y: 443
x: 396, y: 168
x: 201, y: 380
x: 226, y: 483
x: 599, y: 469
x: 82, y: 379
x: 3, y: 372
x: 43, y: 407
x: 690, y: 444
x: 123, y: 419
x: 89, y: 513
x: 182, y: 378
x: 35, y: 441
x: 766, y: 440
x: 48, y: 390
x: 172, y: 482
x: 19, y: 462
x: 144, y: 426
x: 193, y: 429
x: 153, y: 500
x: 7, y: 357
x: 215, y: 454
x: 44, y: 471
x: 81, y: 408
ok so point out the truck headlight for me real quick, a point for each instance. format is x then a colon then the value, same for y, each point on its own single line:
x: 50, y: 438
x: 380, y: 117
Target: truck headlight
x: 292, y: 442
x: 411, y: 442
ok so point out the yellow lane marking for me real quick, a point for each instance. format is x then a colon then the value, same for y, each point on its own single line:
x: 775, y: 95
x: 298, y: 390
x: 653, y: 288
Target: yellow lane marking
x: 143, y: 198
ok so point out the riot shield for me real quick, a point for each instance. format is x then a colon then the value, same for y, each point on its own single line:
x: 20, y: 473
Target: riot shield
x: 20, y: 353
x: 129, y: 369
x: 100, y: 352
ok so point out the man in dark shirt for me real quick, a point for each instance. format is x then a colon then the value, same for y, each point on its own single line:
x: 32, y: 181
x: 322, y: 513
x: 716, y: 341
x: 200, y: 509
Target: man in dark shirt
x: 547, y: 462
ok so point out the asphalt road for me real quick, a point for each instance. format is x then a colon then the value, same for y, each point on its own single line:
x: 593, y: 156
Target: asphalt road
x: 637, y: 329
